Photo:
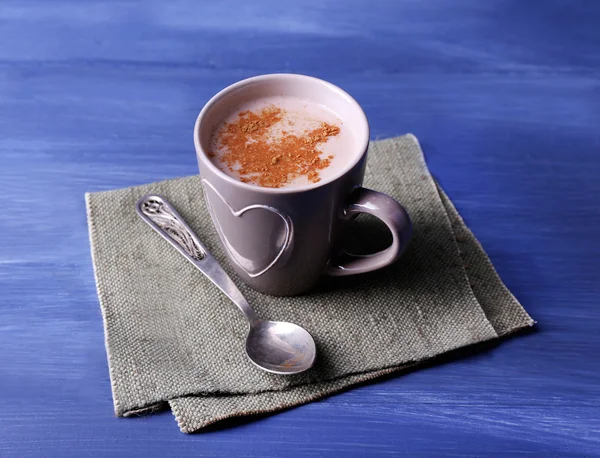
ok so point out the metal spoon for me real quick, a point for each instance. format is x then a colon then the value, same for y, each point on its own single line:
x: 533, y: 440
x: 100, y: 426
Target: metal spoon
x: 274, y: 346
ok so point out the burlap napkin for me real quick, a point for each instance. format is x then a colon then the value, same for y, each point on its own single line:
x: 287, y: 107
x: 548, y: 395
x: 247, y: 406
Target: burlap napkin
x: 173, y: 338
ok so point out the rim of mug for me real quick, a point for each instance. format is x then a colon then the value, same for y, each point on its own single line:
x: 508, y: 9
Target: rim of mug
x: 363, y: 131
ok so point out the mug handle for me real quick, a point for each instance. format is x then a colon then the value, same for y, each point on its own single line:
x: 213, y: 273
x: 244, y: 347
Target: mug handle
x: 388, y: 210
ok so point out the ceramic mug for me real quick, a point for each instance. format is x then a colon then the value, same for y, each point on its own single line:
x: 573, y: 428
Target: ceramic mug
x: 282, y: 240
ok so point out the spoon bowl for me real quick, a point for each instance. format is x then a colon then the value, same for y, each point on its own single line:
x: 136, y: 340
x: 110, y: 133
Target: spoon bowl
x: 280, y: 348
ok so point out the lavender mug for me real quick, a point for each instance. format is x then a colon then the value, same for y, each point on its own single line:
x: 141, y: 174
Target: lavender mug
x: 280, y: 241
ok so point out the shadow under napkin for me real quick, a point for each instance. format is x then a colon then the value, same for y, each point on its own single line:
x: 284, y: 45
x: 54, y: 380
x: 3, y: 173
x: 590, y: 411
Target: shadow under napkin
x: 172, y: 336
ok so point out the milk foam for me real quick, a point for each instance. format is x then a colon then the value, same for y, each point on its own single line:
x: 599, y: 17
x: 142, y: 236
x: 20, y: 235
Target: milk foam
x: 300, y: 115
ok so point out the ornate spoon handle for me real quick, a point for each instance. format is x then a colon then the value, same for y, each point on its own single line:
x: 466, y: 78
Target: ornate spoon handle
x: 162, y: 217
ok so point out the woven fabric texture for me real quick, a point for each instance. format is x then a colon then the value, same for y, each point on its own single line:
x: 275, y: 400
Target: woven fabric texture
x: 172, y: 337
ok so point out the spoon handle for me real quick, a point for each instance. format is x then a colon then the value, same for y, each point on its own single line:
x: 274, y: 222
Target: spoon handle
x: 162, y: 217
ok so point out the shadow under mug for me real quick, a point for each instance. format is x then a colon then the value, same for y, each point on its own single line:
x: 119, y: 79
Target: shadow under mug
x: 280, y: 241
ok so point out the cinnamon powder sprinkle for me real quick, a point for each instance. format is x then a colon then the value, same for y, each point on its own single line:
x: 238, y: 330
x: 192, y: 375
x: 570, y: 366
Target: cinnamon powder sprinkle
x: 262, y: 158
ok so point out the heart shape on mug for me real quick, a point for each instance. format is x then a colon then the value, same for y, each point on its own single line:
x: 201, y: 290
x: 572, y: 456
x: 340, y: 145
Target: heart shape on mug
x: 240, y: 260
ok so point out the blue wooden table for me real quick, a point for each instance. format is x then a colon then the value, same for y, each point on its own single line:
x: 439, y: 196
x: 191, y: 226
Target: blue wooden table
x: 505, y: 98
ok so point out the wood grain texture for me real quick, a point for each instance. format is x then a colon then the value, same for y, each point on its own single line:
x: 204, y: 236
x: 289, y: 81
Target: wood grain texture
x: 505, y: 98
